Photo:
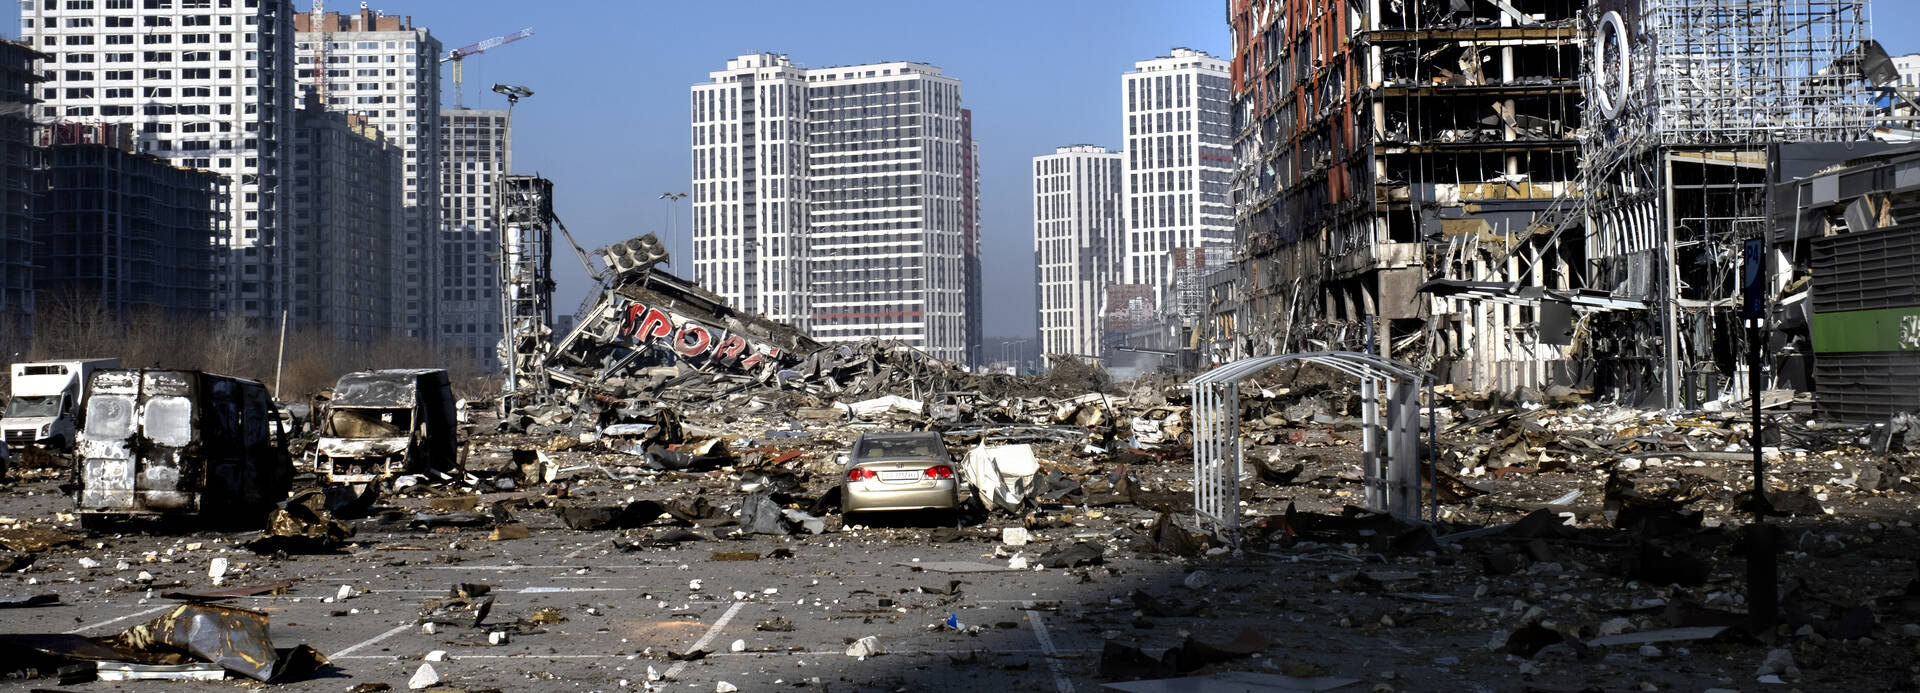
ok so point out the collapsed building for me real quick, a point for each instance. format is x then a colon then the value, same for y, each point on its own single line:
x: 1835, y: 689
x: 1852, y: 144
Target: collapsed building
x: 1525, y: 194
x: 1426, y: 146
x: 1687, y: 96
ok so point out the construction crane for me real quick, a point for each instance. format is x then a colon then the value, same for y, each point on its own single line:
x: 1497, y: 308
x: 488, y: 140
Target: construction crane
x: 459, y: 55
x: 323, y: 36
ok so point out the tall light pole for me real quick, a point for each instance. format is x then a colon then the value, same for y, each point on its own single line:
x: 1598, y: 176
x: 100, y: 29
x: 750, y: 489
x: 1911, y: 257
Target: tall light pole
x: 673, y: 232
x: 514, y: 94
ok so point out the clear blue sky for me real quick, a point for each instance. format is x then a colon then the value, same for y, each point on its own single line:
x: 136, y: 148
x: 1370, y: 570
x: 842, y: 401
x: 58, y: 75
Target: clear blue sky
x: 608, y: 121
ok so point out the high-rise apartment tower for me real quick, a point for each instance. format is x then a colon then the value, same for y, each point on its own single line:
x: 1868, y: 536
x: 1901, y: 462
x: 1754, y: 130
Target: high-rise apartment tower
x: 387, y: 70
x: 1179, y: 159
x: 1077, y: 245
x: 836, y: 199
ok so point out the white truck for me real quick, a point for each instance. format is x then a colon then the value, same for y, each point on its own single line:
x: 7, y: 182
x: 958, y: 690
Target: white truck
x: 44, y: 407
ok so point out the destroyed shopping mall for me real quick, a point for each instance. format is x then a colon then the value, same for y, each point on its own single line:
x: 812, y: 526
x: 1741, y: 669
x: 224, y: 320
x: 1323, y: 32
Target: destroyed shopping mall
x: 1564, y: 350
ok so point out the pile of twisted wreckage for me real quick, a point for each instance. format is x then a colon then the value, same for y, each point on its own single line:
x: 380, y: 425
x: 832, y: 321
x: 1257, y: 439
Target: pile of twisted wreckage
x: 1570, y: 530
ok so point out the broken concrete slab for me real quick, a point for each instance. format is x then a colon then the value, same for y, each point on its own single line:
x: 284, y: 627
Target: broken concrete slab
x: 275, y: 587
x: 1651, y: 637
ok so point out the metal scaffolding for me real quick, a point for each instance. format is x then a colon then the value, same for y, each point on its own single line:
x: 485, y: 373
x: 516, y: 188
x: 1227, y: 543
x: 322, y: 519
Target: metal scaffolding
x: 1728, y: 72
x: 1685, y: 96
x: 525, y: 209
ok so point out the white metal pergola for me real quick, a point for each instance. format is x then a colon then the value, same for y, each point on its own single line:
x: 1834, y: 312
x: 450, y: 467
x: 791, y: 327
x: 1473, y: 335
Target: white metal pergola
x: 1390, y: 447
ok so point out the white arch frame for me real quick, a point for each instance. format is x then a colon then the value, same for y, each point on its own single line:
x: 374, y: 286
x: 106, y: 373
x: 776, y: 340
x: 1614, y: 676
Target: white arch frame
x: 1392, y: 473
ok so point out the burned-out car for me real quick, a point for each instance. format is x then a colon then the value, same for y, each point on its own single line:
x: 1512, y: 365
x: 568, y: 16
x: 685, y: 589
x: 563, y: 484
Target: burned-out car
x: 167, y: 442
x: 382, y: 424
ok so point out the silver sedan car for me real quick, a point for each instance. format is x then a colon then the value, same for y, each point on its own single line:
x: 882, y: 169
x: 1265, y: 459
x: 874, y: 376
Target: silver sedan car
x: 899, y: 471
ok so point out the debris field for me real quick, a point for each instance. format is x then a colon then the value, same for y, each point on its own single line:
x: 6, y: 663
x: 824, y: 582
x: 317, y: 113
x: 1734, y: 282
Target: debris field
x: 682, y: 532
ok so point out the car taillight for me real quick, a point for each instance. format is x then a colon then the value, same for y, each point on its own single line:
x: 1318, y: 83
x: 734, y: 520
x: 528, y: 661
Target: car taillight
x: 861, y: 473
x: 940, y: 472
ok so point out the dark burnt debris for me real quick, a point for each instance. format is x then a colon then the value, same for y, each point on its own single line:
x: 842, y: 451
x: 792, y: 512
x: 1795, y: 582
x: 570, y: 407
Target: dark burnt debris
x: 1557, y: 531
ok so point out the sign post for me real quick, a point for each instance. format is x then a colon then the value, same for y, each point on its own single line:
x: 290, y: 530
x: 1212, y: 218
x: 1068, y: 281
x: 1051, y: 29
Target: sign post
x: 1763, y: 579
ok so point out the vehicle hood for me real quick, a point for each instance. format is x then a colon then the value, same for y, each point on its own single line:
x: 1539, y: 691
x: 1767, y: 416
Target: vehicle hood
x: 364, y: 447
x: 18, y: 422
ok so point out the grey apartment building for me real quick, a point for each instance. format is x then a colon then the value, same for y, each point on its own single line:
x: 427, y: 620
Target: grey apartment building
x: 475, y: 145
x: 209, y: 84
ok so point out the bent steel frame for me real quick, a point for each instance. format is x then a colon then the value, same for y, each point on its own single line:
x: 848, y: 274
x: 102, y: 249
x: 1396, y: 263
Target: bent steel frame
x: 1390, y: 447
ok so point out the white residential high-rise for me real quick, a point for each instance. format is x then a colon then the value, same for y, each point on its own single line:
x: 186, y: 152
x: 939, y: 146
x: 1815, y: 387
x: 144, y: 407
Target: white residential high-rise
x: 1179, y: 156
x: 1077, y: 245
x: 474, y: 145
x: 836, y: 199
x: 209, y: 84
x: 387, y: 70
x: 749, y: 219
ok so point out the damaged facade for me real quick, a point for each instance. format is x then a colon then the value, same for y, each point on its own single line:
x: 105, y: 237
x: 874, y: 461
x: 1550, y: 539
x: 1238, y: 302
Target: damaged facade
x: 1383, y: 143
x: 17, y: 80
x: 1677, y: 169
x: 1518, y: 194
x: 1845, y: 268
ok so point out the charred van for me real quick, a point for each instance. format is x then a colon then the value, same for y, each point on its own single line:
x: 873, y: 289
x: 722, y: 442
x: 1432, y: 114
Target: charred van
x: 382, y: 424
x: 165, y: 442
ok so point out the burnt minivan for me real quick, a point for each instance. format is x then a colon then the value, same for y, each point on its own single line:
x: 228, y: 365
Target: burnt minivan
x: 382, y: 424
x: 188, y: 443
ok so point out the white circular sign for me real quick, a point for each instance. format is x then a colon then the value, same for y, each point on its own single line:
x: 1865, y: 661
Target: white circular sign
x: 1611, y: 67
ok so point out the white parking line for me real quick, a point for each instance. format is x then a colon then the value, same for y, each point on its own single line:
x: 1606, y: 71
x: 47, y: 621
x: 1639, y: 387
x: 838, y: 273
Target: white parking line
x: 373, y: 640
x: 590, y: 545
x: 704, y: 639
x: 111, y: 621
x: 516, y: 566
x: 1060, y: 681
x: 749, y: 653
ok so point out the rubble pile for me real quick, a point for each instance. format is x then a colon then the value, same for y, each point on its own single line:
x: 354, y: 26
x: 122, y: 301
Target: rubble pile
x: 1560, y: 536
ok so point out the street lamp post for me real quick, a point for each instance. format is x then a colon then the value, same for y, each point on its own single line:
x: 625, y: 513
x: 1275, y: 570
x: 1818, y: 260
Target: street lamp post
x: 673, y: 231
x: 514, y: 94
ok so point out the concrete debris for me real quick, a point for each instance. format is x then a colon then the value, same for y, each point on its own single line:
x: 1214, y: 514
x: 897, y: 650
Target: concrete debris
x: 863, y: 648
x: 10, y: 602
x: 681, y: 473
x: 275, y: 587
x: 423, y: 678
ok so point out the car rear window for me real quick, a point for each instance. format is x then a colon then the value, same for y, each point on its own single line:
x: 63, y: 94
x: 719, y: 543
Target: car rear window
x: 908, y: 447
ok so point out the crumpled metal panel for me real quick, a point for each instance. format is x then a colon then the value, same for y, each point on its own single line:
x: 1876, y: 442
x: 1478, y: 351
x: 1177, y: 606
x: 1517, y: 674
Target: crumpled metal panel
x: 356, y: 448
x: 106, y: 477
x: 236, y: 639
x: 386, y: 389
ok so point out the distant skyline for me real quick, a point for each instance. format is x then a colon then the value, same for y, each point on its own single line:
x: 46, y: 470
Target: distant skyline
x: 609, y: 118
x: 608, y: 121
